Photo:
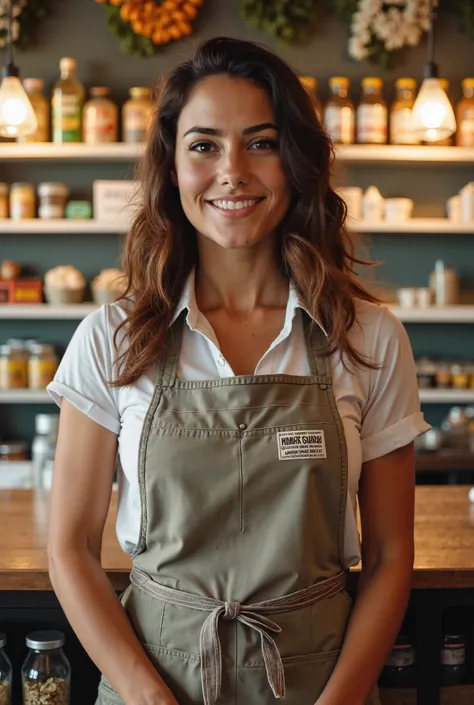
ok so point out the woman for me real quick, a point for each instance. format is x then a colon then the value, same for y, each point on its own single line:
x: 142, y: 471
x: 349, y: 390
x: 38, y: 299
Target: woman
x: 252, y: 388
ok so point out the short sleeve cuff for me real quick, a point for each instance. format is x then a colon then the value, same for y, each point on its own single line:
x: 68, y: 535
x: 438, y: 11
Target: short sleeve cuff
x: 59, y: 391
x: 400, y: 434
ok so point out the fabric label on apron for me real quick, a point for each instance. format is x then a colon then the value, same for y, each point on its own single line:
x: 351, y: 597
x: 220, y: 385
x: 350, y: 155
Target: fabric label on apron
x: 296, y: 445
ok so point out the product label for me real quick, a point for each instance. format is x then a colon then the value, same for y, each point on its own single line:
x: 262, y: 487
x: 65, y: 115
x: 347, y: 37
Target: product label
x: 136, y: 125
x: 401, y: 131
x: 13, y: 374
x: 400, y: 658
x: 100, y: 125
x: 67, y: 111
x: 372, y: 124
x: 339, y: 123
x: 297, y: 445
x: 453, y: 657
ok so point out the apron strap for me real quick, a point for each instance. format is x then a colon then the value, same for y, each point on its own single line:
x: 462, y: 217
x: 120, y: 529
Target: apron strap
x: 169, y: 363
x: 315, y: 345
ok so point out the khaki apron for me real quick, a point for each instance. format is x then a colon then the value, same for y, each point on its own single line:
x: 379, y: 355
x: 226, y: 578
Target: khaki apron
x: 237, y: 590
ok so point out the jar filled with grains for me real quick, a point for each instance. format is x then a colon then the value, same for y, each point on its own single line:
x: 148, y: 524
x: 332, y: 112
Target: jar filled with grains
x: 13, y: 367
x: 42, y: 365
x: 46, y: 673
x: 5, y: 673
x: 53, y: 197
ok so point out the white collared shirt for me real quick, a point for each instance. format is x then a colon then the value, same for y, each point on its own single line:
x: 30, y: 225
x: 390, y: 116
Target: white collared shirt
x: 380, y: 408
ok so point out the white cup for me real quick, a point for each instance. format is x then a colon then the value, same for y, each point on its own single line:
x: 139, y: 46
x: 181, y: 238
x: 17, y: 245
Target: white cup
x: 424, y: 297
x: 467, y: 203
x: 453, y: 207
x: 407, y: 297
x: 352, y: 195
x: 398, y: 209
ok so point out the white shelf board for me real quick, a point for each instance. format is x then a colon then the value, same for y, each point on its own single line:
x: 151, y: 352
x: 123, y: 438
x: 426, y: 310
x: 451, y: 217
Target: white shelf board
x: 360, y: 153
x: 447, y: 396
x: 435, y: 314
x: 114, y: 152
x: 25, y: 396
x: 46, y: 311
x: 414, y: 225
x: 61, y: 226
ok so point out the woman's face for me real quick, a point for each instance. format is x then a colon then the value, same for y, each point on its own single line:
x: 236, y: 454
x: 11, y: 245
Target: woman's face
x: 228, y: 166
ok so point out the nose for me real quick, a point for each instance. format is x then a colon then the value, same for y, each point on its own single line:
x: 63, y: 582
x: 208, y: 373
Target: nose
x: 233, y: 169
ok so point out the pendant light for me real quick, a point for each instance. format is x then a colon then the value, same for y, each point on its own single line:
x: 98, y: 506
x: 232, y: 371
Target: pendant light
x: 433, y: 115
x: 17, y: 116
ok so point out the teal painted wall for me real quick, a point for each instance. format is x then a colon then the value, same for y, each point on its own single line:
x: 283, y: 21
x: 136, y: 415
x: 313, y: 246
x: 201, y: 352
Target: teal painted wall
x: 77, y: 28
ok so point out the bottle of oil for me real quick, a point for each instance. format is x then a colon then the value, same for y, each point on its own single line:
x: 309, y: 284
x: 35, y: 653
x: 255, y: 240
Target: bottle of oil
x: 465, y: 115
x: 34, y: 90
x: 448, y: 141
x: 401, y: 131
x: 339, y: 113
x: 67, y: 101
x: 372, y: 115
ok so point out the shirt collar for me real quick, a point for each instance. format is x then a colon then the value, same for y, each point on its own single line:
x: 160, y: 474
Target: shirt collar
x: 188, y: 302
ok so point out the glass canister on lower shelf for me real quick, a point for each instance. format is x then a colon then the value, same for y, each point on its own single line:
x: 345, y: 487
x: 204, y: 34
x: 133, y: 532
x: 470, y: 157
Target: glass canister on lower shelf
x: 46, y: 673
x: 5, y: 673
x: 399, y: 669
x: 453, y: 659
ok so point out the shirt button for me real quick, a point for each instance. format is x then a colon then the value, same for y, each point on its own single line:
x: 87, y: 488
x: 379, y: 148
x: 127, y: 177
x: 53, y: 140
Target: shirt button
x: 242, y: 426
x: 221, y: 360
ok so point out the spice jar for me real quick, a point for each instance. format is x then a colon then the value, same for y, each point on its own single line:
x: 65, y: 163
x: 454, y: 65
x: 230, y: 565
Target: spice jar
x: 372, y: 114
x: 136, y: 115
x: 42, y: 365
x: 443, y: 375
x: 4, y: 189
x: 339, y: 114
x: 401, y: 128
x: 465, y: 115
x: 426, y: 373
x: 40, y: 104
x: 100, y: 117
x: 53, y: 197
x: 453, y: 659
x: 22, y: 201
x: 13, y: 451
x: 399, y: 669
x: 5, y: 673
x: 13, y: 368
x: 459, y: 377
x: 46, y: 673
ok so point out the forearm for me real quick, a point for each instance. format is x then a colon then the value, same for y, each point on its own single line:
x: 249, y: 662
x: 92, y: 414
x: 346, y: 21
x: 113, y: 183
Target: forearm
x: 376, y: 617
x: 102, y: 626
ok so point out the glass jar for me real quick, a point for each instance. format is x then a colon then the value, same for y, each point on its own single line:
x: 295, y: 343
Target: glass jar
x: 425, y: 373
x: 456, y: 430
x: 339, y: 113
x: 372, y: 115
x: 459, y: 376
x: 401, y: 131
x: 4, y: 192
x: 136, y: 115
x: 42, y: 365
x: 13, y: 368
x: 5, y: 673
x: 453, y: 659
x: 13, y: 451
x: 22, y: 201
x: 465, y: 115
x: 34, y: 89
x: 67, y: 101
x: 46, y: 673
x: 100, y: 117
x: 52, y: 199
x: 443, y: 375
x: 43, y: 449
x: 399, y: 669
x: 311, y: 85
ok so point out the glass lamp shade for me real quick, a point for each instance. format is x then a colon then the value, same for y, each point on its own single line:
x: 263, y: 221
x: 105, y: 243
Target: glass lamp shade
x: 433, y: 116
x: 17, y: 116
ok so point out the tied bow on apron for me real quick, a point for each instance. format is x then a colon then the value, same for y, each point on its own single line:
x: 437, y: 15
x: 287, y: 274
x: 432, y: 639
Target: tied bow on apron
x: 250, y: 615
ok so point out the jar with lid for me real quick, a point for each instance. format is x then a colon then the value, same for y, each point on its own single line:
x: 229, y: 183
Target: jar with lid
x: 13, y: 451
x: 453, y: 659
x: 456, y: 430
x: 399, y: 669
x: 339, y: 113
x: 100, y: 117
x: 34, y: 89
x: 52, y: 199
x: 447, y: 141
x: 401, y: 131
x: 6, y: 673
x: 443, y: 375
x: 4, y: 192
x: 43, y: 449
x: 372, y: 114
x: 465, y: 115
x: 42, y: 365
x: 136, y: 115
x: 13, y: 368
x: 426, y: 373
x: 46, y: 673
x: 311, y: 85
x: 22, y: 201
x: 459, y: 376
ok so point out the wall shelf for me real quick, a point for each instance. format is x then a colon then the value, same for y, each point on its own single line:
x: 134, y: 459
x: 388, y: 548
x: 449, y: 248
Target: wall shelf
x: 447, y: 396
x: 46, y: 311
x: 25, y: 396
x: 61, y: 226
x: 415, y: 226
x: 363, y: 153
x: 435, y: 314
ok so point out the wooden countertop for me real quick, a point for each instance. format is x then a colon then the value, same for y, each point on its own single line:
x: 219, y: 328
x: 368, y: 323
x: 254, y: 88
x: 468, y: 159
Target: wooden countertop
x: 444, y: 540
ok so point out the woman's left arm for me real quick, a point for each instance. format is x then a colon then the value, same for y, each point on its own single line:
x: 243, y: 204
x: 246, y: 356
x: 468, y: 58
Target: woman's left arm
x: 386, y: 501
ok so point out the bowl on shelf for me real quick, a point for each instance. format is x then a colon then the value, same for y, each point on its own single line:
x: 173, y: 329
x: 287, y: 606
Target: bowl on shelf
x: 103, y: 295
x: 58, y: 296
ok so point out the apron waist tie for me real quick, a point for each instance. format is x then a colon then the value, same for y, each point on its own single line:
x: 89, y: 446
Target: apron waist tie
x: 251, y: 615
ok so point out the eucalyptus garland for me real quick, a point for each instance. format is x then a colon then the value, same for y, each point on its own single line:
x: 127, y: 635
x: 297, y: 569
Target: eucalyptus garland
x: 286, y: 20
x: 27, y: 15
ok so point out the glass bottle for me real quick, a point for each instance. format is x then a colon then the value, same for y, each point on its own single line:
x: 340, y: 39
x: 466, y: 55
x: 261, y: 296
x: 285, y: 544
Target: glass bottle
x: 339, y: 113
x: 46, y: 673
x: 34, y: 90
x: 311, y: 85
x: 5, y: 673
x: 136, y: 115
x: 372, y: 114
x: 43, y: 449
x: 67, y: 101
x: 447, y: 141
x: 399, y: 669
x: 100, y: 117
x: 453, y: 659
x: 465, y: 115
x: 401, y: 112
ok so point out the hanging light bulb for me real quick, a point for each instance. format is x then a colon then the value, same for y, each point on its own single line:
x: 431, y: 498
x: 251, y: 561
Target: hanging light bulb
x: 17, y: 116
x: 433, y: 115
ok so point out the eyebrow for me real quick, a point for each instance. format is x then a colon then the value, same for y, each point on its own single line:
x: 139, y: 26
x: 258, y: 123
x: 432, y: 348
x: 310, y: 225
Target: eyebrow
x: 218, y: 133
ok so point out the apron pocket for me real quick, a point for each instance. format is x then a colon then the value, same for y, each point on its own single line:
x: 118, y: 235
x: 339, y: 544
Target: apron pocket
x: 106, y: 694
x: 305, y: 676
x: 180, y: 671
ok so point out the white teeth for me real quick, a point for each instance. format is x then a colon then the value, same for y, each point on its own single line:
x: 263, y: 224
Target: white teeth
x: 234, y: 205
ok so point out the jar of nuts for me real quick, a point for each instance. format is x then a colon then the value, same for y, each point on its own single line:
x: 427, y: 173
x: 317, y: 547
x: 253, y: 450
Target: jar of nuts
x: 5, y: 674
x: 46, y: 673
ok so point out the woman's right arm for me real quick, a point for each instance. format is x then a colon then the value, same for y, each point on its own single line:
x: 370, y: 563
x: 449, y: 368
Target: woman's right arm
x: 82, y: 485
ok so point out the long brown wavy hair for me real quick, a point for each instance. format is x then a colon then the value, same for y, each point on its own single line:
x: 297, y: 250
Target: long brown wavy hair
x: 317, y: 253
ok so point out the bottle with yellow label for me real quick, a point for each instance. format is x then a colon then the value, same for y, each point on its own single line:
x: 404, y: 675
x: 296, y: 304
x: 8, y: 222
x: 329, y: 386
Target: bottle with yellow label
x: 448, y: 141
x: 339, y: 113
x: 465, y: 115
x: 372, y: 114
x: 67, y: 100
x: 100, y: 117
x: 136, y: 115
x: 401, y: 131
x: 34, y: 90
